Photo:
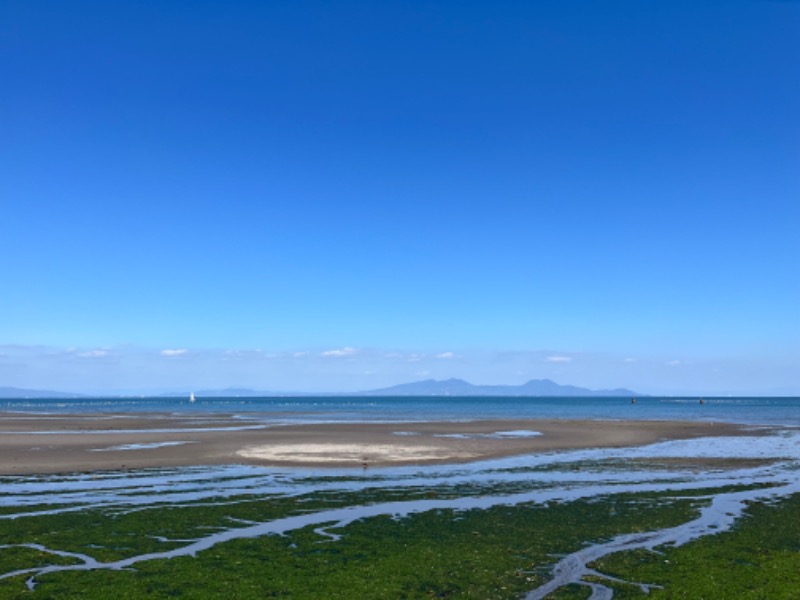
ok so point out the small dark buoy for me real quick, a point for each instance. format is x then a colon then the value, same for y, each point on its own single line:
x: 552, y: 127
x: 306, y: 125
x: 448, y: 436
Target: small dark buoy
x: 633, y: 400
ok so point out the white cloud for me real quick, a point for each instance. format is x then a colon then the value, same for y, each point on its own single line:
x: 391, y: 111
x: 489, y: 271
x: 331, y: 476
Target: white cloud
x: 346, y: 351
x: 446, y: 355
x: 673, y: 363
x: 300, y: 354
x: 93, y: 354
x: 559, y: 359
x: 629, y: 360
x: 174, y: 352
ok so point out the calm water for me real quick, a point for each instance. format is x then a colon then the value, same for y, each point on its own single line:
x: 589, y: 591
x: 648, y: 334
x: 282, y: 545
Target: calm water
x: 782, y: 410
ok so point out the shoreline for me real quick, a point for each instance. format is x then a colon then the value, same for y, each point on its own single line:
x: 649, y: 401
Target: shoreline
x: 51, y: 444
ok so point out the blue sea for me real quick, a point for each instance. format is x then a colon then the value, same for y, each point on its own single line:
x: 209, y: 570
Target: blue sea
x: 760, y: 410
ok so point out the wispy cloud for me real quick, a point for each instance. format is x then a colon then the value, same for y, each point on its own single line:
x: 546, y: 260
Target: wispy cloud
x: 154, y: 369
x: 558, y: 359
x: 340, y: 352
x: 174, y: 352
x: 94, y: 354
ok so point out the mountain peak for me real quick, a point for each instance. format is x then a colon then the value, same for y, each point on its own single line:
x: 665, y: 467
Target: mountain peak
x: 459, y: 387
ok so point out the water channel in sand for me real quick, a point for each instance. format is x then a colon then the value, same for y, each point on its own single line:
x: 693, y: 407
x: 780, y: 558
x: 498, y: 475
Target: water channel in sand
x: 542, y: 479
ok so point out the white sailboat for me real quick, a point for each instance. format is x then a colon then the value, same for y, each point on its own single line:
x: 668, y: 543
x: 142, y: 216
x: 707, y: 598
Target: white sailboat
x: 191, y: 397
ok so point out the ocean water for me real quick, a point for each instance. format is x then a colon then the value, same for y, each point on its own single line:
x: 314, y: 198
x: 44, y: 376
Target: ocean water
x: 761, y: 410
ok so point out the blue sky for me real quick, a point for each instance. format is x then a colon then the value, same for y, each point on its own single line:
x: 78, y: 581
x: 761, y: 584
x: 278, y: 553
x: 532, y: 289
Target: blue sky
x: 345, y: 195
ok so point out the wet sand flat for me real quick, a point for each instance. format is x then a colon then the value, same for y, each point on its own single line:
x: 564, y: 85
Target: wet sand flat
x: 31, y: 444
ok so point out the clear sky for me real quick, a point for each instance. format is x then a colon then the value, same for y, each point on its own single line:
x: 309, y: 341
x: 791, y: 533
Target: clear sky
x: 346, y: 195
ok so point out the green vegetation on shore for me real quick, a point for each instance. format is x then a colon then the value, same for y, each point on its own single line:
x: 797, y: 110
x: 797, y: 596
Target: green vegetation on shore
x: 495, y: 553
x: 500, y: 552
x: 758, y: 559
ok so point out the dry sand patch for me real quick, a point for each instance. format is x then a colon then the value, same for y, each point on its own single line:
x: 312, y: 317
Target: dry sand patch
x: 353, y: 453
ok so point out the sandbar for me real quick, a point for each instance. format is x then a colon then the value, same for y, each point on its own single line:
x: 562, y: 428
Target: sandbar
x: 35, y: 444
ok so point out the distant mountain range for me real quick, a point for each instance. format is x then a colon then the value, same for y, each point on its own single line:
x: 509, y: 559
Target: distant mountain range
x: 12, y: 392
x: 428, y: 387
x: 459, y: 387
x: 433, y: 387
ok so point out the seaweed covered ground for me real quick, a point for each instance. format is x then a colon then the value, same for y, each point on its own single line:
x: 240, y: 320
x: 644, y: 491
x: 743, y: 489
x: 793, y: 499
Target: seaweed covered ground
x: 588, y: 523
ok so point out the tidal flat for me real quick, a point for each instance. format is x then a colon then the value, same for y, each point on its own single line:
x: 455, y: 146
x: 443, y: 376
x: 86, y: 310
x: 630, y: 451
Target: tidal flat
x: 697, y: 518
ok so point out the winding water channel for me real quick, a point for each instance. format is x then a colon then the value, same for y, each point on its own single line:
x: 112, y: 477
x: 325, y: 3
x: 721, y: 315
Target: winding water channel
x: 536, y: 479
